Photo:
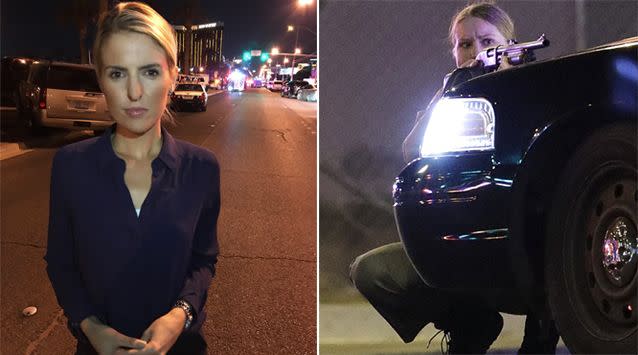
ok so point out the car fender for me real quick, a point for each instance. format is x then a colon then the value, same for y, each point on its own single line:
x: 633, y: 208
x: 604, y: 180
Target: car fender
x: 544, y: 157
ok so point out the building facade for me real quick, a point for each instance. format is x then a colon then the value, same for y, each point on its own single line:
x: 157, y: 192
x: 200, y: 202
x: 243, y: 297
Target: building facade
x: 199, y: 47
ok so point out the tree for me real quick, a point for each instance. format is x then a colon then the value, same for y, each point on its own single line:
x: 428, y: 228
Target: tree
x: 80, y: 14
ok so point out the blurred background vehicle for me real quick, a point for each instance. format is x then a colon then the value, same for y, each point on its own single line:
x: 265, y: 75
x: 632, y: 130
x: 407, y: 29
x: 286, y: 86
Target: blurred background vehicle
x: 257, y: 82
x: 189, y: 95
x: 63, y: 95
x: 308, y: 93
x: 291, y: 88
x: 236, y: 81
x: 276, y: 85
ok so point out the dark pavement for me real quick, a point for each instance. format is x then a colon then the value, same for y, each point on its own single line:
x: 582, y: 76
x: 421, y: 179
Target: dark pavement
x: 263, y: 299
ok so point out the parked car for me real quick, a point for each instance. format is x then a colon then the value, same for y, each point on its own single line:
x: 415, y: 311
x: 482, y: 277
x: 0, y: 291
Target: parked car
x: 525, y: 185
x: 257, y: 82
x: 13, y: 71
x: 290, y: 88
x: 309, y: 93
x: 64, y: 95
x: 189, y: 95
x: 276, y: 85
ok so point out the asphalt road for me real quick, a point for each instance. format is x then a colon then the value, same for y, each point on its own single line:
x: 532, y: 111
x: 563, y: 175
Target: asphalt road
x: 263, y: 299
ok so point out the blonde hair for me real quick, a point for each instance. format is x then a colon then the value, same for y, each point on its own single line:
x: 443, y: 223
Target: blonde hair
x: 139, y: 18
x: 486, y: 11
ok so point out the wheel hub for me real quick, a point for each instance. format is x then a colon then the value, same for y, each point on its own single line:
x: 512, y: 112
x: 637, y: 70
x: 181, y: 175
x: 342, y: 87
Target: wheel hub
x: 612, y: 249
x: 619, y: 251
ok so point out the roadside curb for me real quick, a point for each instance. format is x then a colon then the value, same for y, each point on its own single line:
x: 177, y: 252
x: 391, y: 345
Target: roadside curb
x: 215, y: 93
x: 10, y: 150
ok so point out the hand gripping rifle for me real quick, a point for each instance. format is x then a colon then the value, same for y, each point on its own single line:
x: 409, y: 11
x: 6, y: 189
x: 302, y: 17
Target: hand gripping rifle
x: 518, y: 53
x: 490, y: 59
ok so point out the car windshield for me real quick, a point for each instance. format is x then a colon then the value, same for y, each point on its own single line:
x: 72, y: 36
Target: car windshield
x: 188, y: 87
x: 73, y: 78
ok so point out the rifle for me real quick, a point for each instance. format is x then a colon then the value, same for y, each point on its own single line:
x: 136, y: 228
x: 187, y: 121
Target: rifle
x: 518, y: 53
x: 490, y: 59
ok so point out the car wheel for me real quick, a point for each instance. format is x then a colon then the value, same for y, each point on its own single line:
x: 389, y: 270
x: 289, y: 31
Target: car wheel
x: 30, y: 123
x: 591, y: 253
x: 204, y: 108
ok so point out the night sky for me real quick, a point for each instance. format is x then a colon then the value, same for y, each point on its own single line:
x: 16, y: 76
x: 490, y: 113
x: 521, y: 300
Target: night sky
x: 34, y: 28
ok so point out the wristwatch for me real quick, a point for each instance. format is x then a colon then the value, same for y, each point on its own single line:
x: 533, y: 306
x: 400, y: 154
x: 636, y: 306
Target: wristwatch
x: 188, y: 309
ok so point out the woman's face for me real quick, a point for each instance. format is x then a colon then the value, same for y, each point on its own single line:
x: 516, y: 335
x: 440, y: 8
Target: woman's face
x: 135, y: 79
x: 471, y: 36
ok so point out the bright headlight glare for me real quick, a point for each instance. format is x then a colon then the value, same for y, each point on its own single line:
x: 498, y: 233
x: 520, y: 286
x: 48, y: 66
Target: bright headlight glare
x: 459, y: 125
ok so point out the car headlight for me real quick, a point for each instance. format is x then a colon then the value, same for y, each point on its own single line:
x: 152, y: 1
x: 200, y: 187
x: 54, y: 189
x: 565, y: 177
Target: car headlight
x: 459, y: 125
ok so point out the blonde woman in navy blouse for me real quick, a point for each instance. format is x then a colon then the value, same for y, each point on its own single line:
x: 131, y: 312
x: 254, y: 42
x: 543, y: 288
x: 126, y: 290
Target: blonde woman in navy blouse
x: 132, y: 242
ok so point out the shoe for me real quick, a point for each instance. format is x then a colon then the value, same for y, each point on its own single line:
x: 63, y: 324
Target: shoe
x: 471, y: 331
x: 541, y: 336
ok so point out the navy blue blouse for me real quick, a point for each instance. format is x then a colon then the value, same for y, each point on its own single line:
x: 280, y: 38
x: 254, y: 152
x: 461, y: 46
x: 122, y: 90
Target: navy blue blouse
x: 103, y: 260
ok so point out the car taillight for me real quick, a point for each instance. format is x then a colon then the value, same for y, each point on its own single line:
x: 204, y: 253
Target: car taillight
x: 43, y: 98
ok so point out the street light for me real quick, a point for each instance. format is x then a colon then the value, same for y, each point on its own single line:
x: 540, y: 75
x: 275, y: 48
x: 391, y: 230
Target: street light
x: 285, y: 60
x: 269, y: 60
x: 201, y: 69
x: 304, y: 2
x: 290, y: 29
x: 274, y: 50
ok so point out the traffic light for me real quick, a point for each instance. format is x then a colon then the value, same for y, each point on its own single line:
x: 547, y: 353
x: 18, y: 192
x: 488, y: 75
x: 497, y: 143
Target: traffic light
x: 246, y: 56
x: 264, y: 56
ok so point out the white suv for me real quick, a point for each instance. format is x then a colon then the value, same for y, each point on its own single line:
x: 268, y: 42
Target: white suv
x: 63, y: 95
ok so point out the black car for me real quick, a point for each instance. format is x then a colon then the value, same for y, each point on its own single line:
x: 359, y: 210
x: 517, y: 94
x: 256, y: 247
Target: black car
x: 525, y: 186
x: 291, y: 88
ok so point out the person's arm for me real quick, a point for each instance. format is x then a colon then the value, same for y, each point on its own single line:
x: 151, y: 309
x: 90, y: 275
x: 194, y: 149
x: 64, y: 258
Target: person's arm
x: 205, y: 248
x: 65, y: 277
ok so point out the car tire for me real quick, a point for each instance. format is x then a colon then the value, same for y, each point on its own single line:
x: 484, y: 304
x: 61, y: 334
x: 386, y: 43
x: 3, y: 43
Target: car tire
x: 204, y: 108
x: 591, y: 258
x: 30, y: 123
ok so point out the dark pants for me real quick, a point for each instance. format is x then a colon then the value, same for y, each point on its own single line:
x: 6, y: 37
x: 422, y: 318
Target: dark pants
x: 187, y: 344
x: 390, y: 283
